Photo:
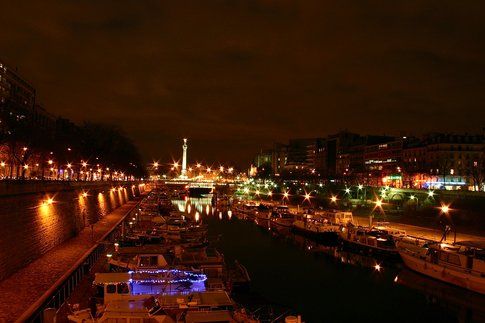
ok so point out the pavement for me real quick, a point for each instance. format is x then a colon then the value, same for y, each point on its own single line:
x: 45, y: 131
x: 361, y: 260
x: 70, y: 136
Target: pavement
x: 24, y: 287
x: 422, y: 231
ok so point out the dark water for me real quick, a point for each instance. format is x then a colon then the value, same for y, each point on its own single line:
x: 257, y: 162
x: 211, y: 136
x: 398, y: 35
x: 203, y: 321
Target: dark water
x: 325, y: 284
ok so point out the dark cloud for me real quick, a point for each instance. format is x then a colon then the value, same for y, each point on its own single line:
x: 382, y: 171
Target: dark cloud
x: 237, y: 75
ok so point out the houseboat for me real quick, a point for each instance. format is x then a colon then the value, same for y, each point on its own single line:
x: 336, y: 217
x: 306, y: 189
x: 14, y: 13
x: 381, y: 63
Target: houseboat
x: 461, y: 264
x: 316, y: 228
x: 374, y: 240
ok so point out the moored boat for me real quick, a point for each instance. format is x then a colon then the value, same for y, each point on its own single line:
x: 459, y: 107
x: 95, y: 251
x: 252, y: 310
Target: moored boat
x: 461, y: 264
x: 316, y: 228
x: 378, y: 240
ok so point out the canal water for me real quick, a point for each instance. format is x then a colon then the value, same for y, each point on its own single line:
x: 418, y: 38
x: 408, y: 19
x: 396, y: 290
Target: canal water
x: 327, y: 284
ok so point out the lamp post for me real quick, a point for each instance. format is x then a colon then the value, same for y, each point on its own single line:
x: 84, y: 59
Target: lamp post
x: 445, y: 210
x: 414, y: 198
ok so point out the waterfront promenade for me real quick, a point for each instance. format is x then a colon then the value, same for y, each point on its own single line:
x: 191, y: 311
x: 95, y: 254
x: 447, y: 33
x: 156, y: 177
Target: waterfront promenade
x: 27, y: 285
x: 413, y: 228
x: 423, y: 231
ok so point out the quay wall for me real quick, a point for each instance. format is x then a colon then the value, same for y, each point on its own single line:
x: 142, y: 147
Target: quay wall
x: 36, y: 217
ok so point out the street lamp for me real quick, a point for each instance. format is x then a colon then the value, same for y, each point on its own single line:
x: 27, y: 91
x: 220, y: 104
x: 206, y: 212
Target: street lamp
x: 378, y: 203
x: 333, y: 199
x: 445, y: 209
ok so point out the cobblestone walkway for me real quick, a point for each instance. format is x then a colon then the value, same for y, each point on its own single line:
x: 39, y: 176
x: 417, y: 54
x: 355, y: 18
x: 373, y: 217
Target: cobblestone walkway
x: 23, y: 288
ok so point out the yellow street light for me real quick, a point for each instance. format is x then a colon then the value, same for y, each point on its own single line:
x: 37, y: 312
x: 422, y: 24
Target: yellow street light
x: 333, y: 199
x: 378, y: 203
x: 445, y: 209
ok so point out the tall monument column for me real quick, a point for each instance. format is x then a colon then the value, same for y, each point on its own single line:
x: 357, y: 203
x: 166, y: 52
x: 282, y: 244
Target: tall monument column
x: 184, y: 160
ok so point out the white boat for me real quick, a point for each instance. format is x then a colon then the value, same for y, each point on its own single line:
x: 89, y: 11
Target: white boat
x: 149, y: 297
x: 316, y: 228
x: 377, y: 240
x: 461, y: 264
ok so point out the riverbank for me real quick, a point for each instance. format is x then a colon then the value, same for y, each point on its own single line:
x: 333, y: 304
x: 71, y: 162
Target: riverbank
x: 27, y: 285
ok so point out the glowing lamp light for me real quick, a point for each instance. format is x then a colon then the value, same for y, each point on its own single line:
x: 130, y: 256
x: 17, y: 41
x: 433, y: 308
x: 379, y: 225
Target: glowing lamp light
x: 176, y: 165
x: 113, y: 189
x: 270, y: 193
x: 155, y: 164
x: 347, y: 190
x: 69, y: 165
x: 378, y: 203
x: 377, y: 267
x: 257, y: 192
x: 85, y: 164
x: 430, y: 193
x: 333, y: 199
x: 360, y: 186
x: 307, y: 196
x: 26, y: 166
x: 445, y: 208
x: 412, y: 197
x: 2, y: 164
x: 49, y: 201
x: 85, y: 194
x: 50, y: 161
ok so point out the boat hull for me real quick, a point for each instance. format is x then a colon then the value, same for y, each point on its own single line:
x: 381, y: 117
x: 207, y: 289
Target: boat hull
x: 445, y: 274
x: 327, y: 237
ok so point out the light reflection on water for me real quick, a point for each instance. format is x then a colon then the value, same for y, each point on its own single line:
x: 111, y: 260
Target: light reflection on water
x: 348, y: 283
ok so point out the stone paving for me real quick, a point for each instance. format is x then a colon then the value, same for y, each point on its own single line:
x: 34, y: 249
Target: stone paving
x: 23, y: 288
x: 424, y: 232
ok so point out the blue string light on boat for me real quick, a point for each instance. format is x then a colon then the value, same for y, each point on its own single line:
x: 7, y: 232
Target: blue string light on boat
x: 165, y: 276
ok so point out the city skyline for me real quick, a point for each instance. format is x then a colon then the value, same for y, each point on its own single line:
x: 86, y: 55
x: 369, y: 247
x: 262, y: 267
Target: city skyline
x: 213, y: 76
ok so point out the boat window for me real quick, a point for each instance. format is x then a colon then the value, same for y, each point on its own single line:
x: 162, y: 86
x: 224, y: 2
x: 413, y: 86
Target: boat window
x: 111, y: 289
x: 123, y: 288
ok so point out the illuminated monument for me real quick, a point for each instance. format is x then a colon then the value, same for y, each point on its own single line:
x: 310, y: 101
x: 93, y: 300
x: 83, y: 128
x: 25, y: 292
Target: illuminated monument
x: 183, y: 174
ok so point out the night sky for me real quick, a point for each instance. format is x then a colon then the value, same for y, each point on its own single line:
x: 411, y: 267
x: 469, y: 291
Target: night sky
x: 235, y: 76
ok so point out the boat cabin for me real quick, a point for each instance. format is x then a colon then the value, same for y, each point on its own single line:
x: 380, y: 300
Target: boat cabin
x: 338, y: 217
x: 138, y: 285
